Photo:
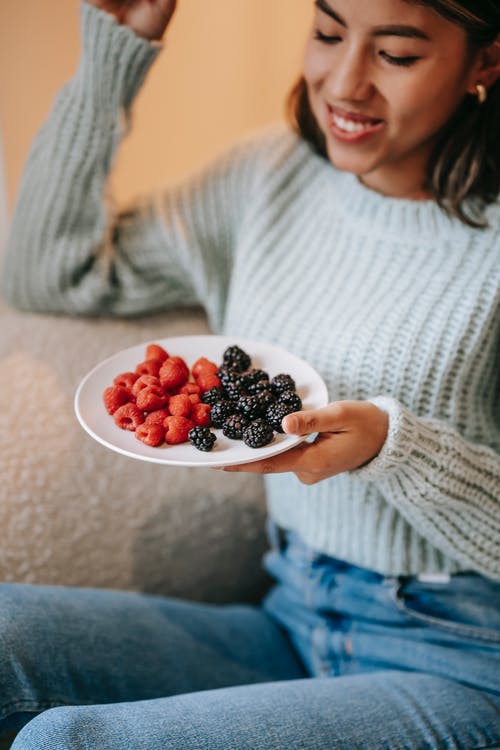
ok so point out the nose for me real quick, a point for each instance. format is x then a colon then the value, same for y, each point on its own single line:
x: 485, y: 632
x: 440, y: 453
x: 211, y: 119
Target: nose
x: 350, y: 78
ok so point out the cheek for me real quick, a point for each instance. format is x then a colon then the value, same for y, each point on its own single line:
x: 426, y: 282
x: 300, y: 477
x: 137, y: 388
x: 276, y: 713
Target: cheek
x: 315, y: 67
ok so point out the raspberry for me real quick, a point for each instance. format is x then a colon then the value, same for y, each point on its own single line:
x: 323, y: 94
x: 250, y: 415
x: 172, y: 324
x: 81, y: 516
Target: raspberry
x: 155, y: 351
x: 200, y: 415
x: 128, y: 417
x: 275, y: 414
x: 150, y: 433
x: 144, y: 381
x: 173, y: 374
x: 176, y: 429
x: 190, y: 388
x: 151, y: 398
x: 114, y: 397
x: 290, y: 398
x: 149, y: 367
x: 182, y: 363
x: 234, y: 425
x: 180, y: 405
x: 202, y: 438
x: 220, y: 411
x: 206, y: 382
x: 203, y: 366
x: 156, y: 417
x: 236, y: 359
x: 257, y: 434
x: 126, y: 379
x: 194, y: 398
x: 283, y: 382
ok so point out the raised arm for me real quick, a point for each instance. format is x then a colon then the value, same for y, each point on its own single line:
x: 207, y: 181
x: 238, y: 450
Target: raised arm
x: 69, y: 250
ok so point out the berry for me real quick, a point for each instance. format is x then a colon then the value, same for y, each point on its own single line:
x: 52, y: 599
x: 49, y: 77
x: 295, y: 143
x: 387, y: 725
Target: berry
x: 155, y: 351
x: 255, y: 375
x: 207, y: 381
x: 258, y: 386
x: 156, y: 417
x: 151, y: 398
x: 150, y: 433
x: 292, y: 399
x: 203, y: 366
x: 126, y: 379
x: 180, y: 405
x: 283, y: 382
x: 234, y: 390
x: 257, y: 434
x: 173, y: 374
x: 220, y: 411
x: 200, y: 415
x: 114, y: 397
x: 212, y: 396
x: 236, y: 359
x: 265, y: 398
x: 144, y: 381
x: 250, y: 406
x: 190, y: 388
x: 234, y: 425
x: 275, y: 414
x: 128, y: 417
x: 149, y: 367
x: 176, y: 429
x: 202, y: 438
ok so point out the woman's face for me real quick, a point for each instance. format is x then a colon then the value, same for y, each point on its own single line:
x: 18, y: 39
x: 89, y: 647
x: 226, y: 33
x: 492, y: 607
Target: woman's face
x: 383, y: 76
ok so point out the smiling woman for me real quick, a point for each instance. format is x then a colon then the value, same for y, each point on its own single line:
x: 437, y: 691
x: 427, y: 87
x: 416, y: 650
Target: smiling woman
x: 356, y: 243
x: 411, y: 97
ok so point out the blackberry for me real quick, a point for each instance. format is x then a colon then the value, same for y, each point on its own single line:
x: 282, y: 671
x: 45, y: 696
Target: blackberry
x: 258, y: 386
x: 212, y: 396
x: 292, y: 399
x: 227, y: 375
x: 250, y: 406
x: 257, y: 434
x: 236, y: 359
x: 283, y: 382
x: 234, y: 425
x: 220, y: 411
x: 275, y: 414
x: 255, y: 375
x: 266, y: 398
x: 234, y: 390
x: 202, y: 438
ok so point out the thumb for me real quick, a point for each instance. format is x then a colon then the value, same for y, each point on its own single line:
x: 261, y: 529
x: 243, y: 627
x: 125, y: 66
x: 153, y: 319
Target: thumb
x: 309, y: 420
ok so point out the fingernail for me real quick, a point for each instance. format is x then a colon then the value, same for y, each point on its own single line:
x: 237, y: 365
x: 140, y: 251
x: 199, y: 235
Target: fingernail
x: 290, y: 424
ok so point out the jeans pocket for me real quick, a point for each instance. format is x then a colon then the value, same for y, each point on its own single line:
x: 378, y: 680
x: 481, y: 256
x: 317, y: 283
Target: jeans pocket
x: 448, y: 608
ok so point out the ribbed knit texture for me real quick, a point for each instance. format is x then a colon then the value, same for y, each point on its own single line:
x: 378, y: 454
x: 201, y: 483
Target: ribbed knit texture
x: 391, y: 300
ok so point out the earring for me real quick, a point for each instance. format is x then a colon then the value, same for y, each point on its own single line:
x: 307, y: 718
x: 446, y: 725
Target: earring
x: 481, y: 93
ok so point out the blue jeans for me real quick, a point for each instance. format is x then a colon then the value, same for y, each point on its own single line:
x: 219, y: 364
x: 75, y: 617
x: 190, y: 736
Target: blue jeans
x: 336, y: 657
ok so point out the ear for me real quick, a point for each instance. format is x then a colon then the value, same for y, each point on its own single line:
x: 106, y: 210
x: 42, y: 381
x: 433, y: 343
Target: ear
x: 486, y: 68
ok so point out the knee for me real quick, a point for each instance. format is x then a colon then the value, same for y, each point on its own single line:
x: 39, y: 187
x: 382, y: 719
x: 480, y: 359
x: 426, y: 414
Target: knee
x: 60, y: 728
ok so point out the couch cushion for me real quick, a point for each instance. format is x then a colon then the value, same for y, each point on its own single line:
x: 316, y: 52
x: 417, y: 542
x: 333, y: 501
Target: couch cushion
x: 74, y: 513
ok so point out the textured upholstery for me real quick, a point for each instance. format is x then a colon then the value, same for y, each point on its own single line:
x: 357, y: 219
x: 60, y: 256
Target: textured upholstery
x: 73, y: 512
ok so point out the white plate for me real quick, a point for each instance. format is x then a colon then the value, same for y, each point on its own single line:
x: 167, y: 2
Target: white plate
x: 100, y: 425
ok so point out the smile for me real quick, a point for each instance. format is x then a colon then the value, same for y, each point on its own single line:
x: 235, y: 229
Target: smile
x: 352, y: 127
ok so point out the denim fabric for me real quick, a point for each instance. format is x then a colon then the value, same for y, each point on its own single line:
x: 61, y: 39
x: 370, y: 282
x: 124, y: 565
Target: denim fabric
x: 337, y: 657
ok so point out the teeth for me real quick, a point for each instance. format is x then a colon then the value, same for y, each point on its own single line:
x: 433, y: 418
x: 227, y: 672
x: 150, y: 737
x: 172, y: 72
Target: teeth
x: 349, y: 126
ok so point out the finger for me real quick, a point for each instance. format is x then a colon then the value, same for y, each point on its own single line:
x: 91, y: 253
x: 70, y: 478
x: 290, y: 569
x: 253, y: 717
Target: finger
x: 283, y: 462
x: 327, y: 419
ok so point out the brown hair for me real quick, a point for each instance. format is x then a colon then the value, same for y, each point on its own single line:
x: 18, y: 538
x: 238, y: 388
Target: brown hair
x: 463, y: 171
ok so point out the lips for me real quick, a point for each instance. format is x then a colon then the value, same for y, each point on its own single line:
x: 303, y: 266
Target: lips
x: 352, y: 126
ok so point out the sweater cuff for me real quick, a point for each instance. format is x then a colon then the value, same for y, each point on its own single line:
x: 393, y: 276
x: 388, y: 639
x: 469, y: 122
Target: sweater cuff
x: 401, y: 438
x: 115, y: 60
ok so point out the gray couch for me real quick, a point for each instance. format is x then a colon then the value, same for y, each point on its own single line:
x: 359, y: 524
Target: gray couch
x: 75, y: 513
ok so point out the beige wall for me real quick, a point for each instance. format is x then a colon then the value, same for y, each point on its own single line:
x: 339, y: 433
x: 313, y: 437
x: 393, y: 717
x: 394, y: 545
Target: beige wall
x: 225, y: 70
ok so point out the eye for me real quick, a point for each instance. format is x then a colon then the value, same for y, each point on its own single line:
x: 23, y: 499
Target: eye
x: 326, y: 38
x: 404, y: 61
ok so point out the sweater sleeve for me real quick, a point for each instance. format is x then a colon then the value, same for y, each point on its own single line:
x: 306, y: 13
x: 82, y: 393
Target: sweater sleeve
x: 445, y: 486
x: 69, y: 251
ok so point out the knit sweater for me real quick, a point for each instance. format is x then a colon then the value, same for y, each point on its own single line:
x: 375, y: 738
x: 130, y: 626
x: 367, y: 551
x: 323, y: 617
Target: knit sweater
x: 390, y: 300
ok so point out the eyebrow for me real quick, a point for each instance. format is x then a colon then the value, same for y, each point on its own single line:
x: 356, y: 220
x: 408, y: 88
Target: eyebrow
x: 411, y: 32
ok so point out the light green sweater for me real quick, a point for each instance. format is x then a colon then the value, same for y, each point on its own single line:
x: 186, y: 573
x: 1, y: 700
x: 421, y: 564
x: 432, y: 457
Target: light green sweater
x: 391, y: 300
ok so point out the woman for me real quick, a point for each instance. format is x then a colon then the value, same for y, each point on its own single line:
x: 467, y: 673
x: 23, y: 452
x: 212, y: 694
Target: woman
x: 367, y: 242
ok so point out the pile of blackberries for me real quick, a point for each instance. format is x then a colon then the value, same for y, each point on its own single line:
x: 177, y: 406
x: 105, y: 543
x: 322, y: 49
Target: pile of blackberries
x: 248, y: 405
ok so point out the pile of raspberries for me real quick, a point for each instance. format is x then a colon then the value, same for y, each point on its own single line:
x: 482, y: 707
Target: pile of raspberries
x: 163, y: 401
